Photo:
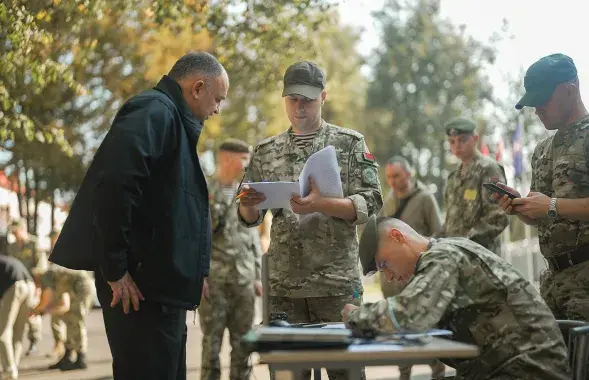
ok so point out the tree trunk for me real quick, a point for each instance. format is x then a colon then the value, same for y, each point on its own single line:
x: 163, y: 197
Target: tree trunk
x: 27, y: 200
x: 52, y: 200
x: 37, y: 198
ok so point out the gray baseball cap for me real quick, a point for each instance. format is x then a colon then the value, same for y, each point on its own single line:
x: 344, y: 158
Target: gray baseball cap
x: 304, y: 78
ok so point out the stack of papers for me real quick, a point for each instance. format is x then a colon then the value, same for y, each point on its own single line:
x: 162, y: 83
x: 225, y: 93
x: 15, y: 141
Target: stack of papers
x: 322, y: 166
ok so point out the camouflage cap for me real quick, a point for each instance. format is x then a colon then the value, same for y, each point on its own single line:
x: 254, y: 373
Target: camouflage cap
x: 369, y: 245
x: 234, y: 145
x: 304, y: 78
x: 460, y: 125
x: 542, y: 78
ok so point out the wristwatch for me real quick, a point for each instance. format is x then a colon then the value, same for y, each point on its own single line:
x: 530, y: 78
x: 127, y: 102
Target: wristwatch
x: 552, y: 213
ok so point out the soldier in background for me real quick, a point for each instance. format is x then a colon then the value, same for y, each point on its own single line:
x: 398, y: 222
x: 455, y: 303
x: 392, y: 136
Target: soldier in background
x: 412, y: 203
x: 313, y: 267
x: 458, y: 285
x: 470, y: 212
x: 24, y: 248
x: 234, y: 278
x: 58, y: 328
x: 76, y: 288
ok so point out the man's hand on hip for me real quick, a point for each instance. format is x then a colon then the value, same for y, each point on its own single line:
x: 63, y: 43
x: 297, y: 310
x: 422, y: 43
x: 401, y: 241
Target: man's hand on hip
x: 126, y: 291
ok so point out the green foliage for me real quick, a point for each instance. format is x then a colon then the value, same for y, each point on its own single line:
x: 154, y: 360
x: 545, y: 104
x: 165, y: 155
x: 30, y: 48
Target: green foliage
x: 425, y: 72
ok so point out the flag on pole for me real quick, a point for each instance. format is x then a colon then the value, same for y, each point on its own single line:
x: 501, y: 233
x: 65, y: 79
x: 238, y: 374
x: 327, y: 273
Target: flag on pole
x: 518, y: 158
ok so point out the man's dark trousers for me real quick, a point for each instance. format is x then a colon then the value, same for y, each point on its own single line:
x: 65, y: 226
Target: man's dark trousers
x: 149, y: 344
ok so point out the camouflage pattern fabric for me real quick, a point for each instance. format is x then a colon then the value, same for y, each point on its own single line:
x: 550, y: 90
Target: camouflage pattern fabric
x: 27, y: 253
x: 313, y: 310
x: 58, y: 328
x: 236, y: 254
x: 232, y: 307
x: 460, y: 286
x: 560, y: 168
x: 565, y: 292
x: 470, y: 212
x: 79, y: 286
x: 321, y: 259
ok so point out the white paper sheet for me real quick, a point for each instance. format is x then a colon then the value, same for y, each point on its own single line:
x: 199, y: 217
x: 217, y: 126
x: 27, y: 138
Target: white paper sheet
x: 322, y: 166
x: 277, y: 194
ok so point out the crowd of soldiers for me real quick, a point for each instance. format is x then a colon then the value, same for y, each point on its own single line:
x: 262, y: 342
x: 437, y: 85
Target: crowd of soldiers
x: 33, y: 287
x: 447, y: 274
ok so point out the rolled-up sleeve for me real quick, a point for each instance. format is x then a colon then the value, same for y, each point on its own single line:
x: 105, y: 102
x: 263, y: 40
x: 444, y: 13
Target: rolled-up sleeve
x: 364, y: 184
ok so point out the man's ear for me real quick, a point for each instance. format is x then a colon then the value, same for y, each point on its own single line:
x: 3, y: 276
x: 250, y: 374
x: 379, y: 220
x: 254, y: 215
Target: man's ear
x: 197, y: 88
x: 397, y: 236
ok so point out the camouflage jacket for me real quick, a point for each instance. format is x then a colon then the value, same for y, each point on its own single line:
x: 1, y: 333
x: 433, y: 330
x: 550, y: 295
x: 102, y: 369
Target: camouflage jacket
x: 28, y: 254
x: 77, y: 283
x: 560, y: 168
x: 321, y: 259
x: 470, y: 212
x: 460, y: 286
x: 236, y: 253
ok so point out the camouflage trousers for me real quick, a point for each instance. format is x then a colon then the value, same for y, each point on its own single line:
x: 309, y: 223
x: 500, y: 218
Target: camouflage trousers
x: 311, y: 310
x: 58, y: 328
x: 391, y: 289
x: 35, y: 324
x: 74, y: 319
x: 567, y: 292
x: 228, y: 306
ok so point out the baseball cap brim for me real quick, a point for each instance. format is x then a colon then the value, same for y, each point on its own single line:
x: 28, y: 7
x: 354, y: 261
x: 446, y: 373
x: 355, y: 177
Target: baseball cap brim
x: 368, y: 246
x: 536, y: 97
x: 305, y: 90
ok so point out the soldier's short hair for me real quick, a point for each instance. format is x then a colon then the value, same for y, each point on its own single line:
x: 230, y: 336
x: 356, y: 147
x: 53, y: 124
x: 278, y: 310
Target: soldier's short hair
x: 235, y: 146
x: 401, y: 161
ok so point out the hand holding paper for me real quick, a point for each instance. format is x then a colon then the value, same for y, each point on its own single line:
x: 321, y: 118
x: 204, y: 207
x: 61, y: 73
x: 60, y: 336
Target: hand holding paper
x: 308, y: 204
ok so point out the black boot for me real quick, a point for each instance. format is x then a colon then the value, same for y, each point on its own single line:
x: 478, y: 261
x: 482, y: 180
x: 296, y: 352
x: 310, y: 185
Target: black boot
x: 65, y: 358
x: 80, y: 363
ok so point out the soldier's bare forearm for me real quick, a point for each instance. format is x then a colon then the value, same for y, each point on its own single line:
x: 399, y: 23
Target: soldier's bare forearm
x: 573, y: 209
x: 528, y: 221
x: 341, y: 208
x: 249, y: 214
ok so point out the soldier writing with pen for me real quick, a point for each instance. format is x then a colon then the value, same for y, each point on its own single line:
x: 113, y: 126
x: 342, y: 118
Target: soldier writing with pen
x: 313, y: 268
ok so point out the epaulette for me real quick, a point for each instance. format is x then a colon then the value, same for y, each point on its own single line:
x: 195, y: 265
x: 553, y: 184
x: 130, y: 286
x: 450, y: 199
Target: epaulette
x: 268, y: 140
x: 347, y: 131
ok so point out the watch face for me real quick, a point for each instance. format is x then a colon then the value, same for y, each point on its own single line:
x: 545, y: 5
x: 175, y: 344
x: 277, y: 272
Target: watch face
x: 551, y: 213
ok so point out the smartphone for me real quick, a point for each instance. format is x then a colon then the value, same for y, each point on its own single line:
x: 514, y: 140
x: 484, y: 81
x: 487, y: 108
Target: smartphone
x: 496, y: 189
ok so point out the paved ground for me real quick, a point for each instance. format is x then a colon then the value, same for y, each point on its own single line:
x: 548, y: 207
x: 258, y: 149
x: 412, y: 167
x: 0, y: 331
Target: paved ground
x: 34, y: 367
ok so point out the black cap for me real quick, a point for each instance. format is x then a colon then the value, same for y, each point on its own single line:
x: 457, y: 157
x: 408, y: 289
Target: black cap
x: 542, y: 78
x: 304, y: 78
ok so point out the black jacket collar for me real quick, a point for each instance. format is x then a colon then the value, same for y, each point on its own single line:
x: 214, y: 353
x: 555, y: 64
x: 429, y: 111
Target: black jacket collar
x: 171, y: 88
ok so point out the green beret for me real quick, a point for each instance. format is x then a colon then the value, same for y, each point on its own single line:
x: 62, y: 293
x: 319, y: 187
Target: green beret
x: 234, y: 145
x: 460, y: 125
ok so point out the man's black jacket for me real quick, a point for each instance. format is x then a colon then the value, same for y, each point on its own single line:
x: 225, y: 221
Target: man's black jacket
x: 143, y: 205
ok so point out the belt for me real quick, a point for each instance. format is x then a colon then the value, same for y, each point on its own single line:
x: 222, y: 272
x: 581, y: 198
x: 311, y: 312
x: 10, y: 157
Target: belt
x: 568, y: 259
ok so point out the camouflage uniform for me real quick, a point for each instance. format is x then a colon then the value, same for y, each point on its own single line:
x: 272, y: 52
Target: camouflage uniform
x: 235, y: 265
x: 79, y: 286
x: 460, y: 286
x: 422, y: 213
x: 470, y: 212
x: 560, y: 165
x: 28, y: 254
x: 318, y: 265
